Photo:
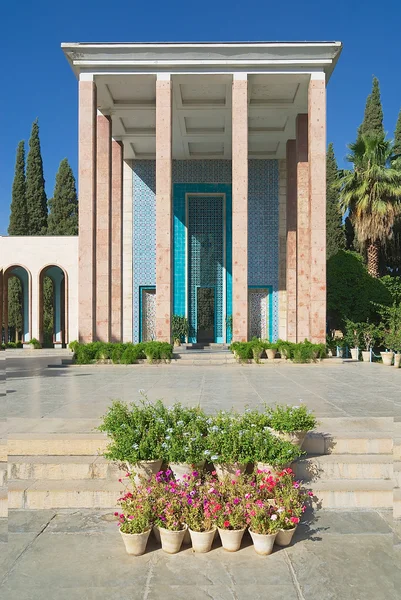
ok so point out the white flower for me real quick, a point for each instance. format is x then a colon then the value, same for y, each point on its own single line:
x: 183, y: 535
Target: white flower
x: 180, y: 423
x: 207, y: 452
x: 168, y: 437
x: 135, y: 446
x: 274, y: 517
x: 214, y: 457
x: 280, y: 510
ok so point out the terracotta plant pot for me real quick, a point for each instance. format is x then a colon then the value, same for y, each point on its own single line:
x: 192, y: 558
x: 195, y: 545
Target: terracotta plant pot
x: 354, y: 353
x: 295, y: 437
x: 274, y: 470
x: 271, y: 354
x: 224, y: 470
x: 366, y: 355
x: 144, y: 468
x: 231, y: 538
x: 387, y: 358
x: 397, y: 360
x: 284, y: 536
x: 202, y: 540
x: 180, y: 469
x: 171, y: 540
x: 263, y: 543
x: 135, y: 543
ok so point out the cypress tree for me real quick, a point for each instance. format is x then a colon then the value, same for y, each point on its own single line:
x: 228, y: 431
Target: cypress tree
x: 35, y: 186
x: 373, y: 117
x: 397, y: 136
x: 18, y: 210
x: 63, y: 215
x: 335, y: 239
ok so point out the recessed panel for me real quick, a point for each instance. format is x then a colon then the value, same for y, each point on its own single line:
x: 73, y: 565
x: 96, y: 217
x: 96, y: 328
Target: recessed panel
x: 204, y: 124
x: 269, y: 93
x: 206, y: 148
x: 144, y: 148
x: 203, y: 94
x: 130, y: 90
x: 262, y: 147
x: 140, y: 122
x: 261, y: 123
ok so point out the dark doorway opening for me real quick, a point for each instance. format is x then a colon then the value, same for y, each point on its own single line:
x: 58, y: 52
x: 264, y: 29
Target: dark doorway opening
x: 205, y: 315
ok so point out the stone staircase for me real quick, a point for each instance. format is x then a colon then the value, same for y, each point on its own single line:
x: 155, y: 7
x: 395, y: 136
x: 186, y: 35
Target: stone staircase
x: 356, y: 465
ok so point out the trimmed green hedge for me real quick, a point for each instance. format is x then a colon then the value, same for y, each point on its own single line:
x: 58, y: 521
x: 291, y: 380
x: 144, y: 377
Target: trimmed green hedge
x: 303, y: 352
x: 127, y: 354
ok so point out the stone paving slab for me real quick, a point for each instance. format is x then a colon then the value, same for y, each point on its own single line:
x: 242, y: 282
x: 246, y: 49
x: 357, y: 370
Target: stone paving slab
x: 79, y: 554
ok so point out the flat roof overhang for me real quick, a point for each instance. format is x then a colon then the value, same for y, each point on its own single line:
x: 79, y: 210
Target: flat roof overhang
x: 217, y: 57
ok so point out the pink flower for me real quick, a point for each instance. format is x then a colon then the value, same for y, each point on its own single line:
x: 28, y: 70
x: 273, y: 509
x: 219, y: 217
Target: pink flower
x: 294, y: 520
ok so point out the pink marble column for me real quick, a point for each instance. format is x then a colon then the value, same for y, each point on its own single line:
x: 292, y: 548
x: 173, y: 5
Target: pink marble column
x: 87, y: 199
x: 116, y: 240
x: 240, y: 206
x: 303, y: 230
x: 103, y: 232
x: 317, y: 193
x: 291, y: 269
x: 1, y: 303
x: 163, y: 209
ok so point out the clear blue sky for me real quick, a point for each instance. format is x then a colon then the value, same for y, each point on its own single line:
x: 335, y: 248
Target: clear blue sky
x: 37, y: 81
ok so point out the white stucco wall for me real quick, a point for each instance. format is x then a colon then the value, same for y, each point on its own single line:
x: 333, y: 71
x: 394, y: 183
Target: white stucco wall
x: 35, y: 253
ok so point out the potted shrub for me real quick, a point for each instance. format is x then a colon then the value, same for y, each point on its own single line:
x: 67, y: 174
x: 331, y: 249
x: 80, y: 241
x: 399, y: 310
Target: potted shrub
x: 185, y: 439
x: 135, y: 520
x: 137, y: 433
x: 271, y: 350
x: 228, y: 445
x: 285, y: 349
x: 272, y: 454
x: 257, y: 348
x: 263, y: 522
x: 369, y: 333
x: 292, y: 423
x: 197, y: 512
x: 169, y: 513
x: 352, y: 336
x: 243, y: 351
x: 290, y: 502
x: 34, y: 344
x: 228, y: 507
x: 179, y: 329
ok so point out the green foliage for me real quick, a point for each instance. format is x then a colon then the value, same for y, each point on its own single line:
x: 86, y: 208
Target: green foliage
x: 397, y: 137
x: 393, y: 285
x: 48, y: 311
x: 229, y: 440
x: 352, y: 333
x: 179, y: 328
x: 351, y: 290
x: 273, y: 451
x: 14, y: 306
x: 335, y: 238
x: 63, y: 216
x: 155, y: 351
x: 373, y: 117
x: 18, y: 224
x: 291, y: 418
x: 35, y: 186
x: 305, y: 352
x: 121, y: 353
x: 370, y: 333
x: 35, y: 343
x: 391, y: 325
x: 13, y: 345
x: 185, y: 439
x: 137, y: 431
x: 242, y: 351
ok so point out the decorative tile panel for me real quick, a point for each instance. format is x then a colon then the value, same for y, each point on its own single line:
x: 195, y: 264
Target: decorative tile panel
x: 263, y: 232
x: 144, y: 234
x: 258, y: 313
x: 148, y: 316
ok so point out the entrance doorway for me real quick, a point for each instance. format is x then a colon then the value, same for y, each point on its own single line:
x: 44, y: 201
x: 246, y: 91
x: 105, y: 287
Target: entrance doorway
x: 205, y: 315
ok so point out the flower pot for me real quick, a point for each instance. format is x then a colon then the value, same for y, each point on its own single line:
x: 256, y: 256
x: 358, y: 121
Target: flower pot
x: 257, y: 354
x: 171, y: 540
x: 274, y: 470
x: 231, y: 538
x: 397, y: 360
x: 156, y: 533
x: 187, y: 538
x: 387, y: 358
x: 354, y: 353
x: 366, y: 355
x: 284, y: 537
x: 263, y: 543
x: 271, y: 354
x: 135, y: 543
x: 202, y: 540
x: 295, y: 437
x: 224, y: 470
x: 180, y: 469
x: 144, y: 468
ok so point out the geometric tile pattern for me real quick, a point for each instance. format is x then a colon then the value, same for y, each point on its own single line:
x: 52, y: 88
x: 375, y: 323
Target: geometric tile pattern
x: 263, y: 231
x: 148, y: 315
x: 205, y: 257
x: 144, y: 233
x: 258, y: 313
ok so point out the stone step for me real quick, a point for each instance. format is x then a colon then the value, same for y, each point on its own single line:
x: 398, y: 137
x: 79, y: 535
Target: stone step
x: 345, y: 466
x: 62, y: 468
x: 397, y: 473
x: 3, y: 502
x: 3, y: 474
x: 352, y: 493
x: 397, y: 448
x: 3, y: 450
x: 349, y: 442
x: 397, y: 504
x: 75, y: 493
x: 56, y: 444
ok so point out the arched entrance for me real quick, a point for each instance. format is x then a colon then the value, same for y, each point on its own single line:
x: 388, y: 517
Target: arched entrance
x: 17, y: 307
x: 53, y: 306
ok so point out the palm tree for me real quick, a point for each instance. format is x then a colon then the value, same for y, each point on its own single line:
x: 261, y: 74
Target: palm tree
x: 371, y: 192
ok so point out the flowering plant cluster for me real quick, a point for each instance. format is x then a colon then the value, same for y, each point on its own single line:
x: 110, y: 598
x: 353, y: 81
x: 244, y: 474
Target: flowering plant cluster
x: 291, y: 418
x: 264, y: 502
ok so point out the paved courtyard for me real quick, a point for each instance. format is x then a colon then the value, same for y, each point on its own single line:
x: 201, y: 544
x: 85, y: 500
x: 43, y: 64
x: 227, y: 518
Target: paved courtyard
x: 69, y: 398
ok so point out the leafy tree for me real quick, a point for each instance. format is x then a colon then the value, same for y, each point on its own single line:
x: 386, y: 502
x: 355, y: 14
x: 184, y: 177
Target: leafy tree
x: 371, y: 191
x: 397, y: 136
x: 14, y: 307
x: 335, y: 239
x: 351, y: 291
x: 63, y: 216
x: 18, y: 214
x: 393, y: 284
x: 372, y: 123
x: 35, y: 186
